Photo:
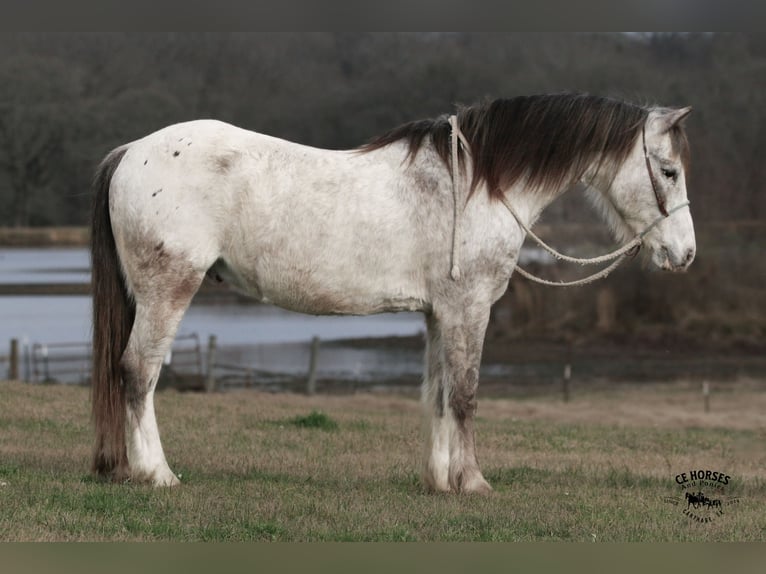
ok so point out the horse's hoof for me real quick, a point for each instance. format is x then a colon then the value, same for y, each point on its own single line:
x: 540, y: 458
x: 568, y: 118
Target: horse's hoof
x: 477, y: 486
x: 172, y: 480
x: 165, y: 479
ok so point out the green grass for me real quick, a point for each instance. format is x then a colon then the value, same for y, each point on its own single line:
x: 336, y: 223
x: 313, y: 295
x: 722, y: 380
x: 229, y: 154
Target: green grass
x: 255, y: 467
x: 314, y: 420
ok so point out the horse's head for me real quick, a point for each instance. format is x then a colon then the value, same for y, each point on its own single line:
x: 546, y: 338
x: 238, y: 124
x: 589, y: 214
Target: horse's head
x: 648, y: 192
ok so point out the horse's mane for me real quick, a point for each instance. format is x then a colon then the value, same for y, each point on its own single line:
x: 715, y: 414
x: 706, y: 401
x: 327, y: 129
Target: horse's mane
x: 550, y: 140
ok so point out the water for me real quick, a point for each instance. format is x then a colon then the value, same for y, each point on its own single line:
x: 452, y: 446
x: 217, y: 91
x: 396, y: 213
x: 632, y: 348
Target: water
x: 335, y: 361
x: 41, y: 266
x: 67, y: 319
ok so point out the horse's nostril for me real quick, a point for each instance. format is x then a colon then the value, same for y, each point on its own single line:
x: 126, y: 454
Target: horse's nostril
x: 689, y: 256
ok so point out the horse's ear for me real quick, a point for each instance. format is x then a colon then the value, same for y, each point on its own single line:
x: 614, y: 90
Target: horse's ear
x: 672, y: 117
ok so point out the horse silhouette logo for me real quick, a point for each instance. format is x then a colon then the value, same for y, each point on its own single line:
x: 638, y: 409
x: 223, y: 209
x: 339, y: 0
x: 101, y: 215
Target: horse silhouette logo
x: 699, y: 506
x: 699, y: 499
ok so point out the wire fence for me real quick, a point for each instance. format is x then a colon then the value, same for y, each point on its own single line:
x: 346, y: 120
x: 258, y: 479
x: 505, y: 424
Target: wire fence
x: 54, y: 362
x: 70, y: 362
x: 193, y: 365
x: 186, y: 367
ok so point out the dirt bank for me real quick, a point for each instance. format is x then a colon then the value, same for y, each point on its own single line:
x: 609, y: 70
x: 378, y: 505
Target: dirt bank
x: 43, y: 236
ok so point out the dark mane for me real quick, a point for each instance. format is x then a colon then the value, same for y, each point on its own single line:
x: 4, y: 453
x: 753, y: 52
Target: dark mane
x: 549, y: 140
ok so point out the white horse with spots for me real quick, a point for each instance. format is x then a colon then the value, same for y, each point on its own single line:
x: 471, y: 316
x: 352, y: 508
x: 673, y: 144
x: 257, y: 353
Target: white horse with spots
x: 376, y: 229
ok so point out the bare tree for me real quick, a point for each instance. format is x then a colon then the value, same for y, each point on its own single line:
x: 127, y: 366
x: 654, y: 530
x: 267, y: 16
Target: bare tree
x: 34, y: 98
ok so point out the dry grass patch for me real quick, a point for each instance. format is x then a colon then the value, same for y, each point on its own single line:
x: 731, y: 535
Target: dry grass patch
x: 596, y: 468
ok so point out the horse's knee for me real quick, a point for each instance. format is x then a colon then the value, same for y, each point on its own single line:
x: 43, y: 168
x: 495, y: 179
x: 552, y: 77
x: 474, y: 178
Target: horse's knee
x: 463, y: 394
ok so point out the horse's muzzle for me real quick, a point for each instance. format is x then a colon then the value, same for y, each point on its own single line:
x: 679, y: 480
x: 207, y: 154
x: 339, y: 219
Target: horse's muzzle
x: 672, y: 260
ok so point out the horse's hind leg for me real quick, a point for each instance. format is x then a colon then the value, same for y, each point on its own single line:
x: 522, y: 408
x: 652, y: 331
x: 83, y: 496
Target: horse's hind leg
x: 161, y: 302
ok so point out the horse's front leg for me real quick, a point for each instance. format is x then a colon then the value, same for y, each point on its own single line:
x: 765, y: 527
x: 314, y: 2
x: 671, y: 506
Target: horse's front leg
x: 453, y: 357
x: 437, y: 421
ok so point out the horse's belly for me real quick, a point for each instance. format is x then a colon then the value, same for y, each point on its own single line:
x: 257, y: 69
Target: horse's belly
x: 318, y: 293
x: 330, y: 302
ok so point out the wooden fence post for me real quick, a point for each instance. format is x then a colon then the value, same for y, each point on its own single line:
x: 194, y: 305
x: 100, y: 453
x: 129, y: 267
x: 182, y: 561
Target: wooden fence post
x: 706, y: 395
x: 565, y: 382
x: 46, y: 364
x: 27, y: 360
x: 210, y: 382
x: 311, y: 385
x: 567, y: 374
x: 13, y: 367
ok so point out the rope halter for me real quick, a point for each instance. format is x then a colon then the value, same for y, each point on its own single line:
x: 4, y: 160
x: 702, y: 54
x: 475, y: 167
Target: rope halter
x: 618, y: 255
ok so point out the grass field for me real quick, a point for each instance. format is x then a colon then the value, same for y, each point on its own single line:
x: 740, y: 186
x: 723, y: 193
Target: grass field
x: 332, y: 468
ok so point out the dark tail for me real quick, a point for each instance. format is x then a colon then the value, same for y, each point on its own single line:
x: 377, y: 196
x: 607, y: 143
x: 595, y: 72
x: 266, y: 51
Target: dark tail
x: 113, y: 314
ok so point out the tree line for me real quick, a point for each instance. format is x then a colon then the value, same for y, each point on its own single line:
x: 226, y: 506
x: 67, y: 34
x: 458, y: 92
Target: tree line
x: 66, y: 99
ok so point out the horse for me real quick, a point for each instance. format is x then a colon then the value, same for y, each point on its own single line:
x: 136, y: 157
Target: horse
x: 694, y: 499
x: 409, y: 221
x: 700, y: 499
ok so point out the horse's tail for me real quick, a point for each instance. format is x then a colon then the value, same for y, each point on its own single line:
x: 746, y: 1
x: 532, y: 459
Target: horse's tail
x: 113, y: 314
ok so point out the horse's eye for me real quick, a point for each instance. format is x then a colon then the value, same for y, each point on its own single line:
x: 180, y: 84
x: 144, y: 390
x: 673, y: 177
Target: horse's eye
x: 670, y: 173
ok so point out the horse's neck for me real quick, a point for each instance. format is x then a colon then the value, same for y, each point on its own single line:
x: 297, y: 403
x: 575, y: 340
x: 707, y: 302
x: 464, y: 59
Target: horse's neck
x: 530, y: 204
x: 598, y: 175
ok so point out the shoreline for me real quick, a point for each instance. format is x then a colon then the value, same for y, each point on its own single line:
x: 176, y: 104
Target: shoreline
x: 64, y: 236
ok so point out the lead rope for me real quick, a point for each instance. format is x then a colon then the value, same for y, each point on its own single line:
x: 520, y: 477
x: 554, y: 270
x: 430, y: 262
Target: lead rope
x: 619, y: 255
x: 456, y: 196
